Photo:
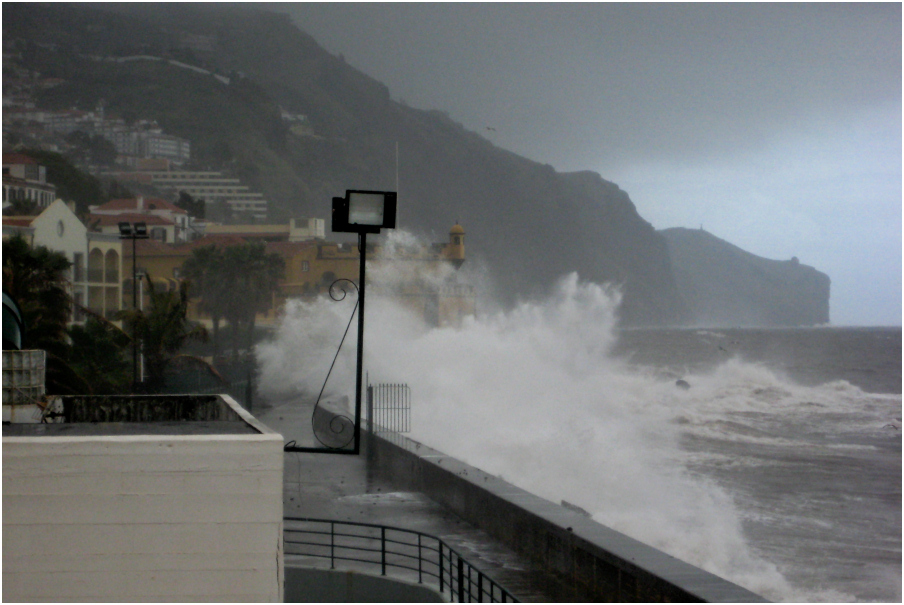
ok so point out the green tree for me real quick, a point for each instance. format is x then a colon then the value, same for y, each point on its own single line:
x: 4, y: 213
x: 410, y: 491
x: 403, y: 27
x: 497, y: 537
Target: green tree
x: 194, y: 207
x: 22, y: 207
x: 206, y: 272
x: 71, y: 183
x: 163, y: 329
x: 36, y: 278
x: 253, y: 276
x: 235, y: 283
x: 99, y: 354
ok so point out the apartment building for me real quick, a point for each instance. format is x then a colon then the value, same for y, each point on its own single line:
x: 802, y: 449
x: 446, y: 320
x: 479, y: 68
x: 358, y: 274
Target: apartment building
x: 24, y: 179
x: 211, y: 186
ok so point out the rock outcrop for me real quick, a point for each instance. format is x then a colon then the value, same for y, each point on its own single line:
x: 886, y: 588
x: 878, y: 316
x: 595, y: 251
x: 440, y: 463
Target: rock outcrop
x: 725, y: 286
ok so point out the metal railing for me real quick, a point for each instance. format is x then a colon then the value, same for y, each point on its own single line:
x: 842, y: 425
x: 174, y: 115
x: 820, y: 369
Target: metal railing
x: 389, y: 407
x: 410, y: 555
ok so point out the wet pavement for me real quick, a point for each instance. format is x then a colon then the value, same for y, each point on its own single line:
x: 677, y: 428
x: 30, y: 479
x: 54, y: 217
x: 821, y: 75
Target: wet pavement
x: 343, y: 488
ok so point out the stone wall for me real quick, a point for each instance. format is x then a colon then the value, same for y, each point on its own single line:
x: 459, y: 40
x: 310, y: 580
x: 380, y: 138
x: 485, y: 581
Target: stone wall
x: 594, y: 562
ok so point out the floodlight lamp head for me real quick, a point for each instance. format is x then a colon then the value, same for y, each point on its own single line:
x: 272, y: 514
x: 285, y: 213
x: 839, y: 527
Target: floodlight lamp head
x: 125, y: 229
x: 364, y: 211
x: 141, y: 230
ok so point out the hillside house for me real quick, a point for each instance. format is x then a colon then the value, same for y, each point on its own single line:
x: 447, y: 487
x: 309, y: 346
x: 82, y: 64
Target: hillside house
x: 25, y: 179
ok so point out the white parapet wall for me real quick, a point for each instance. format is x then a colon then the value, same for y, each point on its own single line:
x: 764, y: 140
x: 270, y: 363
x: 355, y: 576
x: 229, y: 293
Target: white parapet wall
x: 143, y: 517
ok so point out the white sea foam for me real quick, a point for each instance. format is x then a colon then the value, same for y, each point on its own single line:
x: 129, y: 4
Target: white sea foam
x: 534, y: 395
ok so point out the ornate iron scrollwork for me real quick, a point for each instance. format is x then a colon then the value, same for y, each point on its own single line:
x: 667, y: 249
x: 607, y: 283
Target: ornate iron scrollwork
x: 333, y: 429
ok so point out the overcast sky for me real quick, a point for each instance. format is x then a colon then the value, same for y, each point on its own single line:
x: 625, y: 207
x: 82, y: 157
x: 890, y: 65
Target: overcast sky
x: 775, y: 127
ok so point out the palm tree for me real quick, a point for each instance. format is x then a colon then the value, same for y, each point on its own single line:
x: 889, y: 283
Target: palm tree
x: 235, y: 283
x: 253, y: 276
x: 162, y: 330
x: 205, y: 270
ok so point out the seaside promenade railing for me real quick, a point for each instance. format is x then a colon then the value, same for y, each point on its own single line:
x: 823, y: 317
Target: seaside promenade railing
x: 407, y: 554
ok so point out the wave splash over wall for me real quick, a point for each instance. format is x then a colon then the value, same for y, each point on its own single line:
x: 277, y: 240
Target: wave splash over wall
x: 534, y: 395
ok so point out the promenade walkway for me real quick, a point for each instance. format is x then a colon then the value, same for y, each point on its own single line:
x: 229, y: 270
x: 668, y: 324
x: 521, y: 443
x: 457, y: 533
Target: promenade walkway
x: 343, y: 488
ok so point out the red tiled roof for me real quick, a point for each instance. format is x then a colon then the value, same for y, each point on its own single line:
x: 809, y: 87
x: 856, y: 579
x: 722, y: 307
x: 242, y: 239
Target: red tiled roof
x: 18, y: 221
x: 17, y: 158
x: 132, y: 204
x: 105, y: 220
x: 149, y: 247
x: 218, y: 240
x: 285, y: 248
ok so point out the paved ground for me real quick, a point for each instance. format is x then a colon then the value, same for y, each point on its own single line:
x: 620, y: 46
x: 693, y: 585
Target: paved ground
x: 341, y: 487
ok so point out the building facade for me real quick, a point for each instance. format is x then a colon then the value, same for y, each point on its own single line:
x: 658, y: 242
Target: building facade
x: 166, y: 222
x: 423, y: 277
x: 211, y: 186
x: 95, y: 278
x: 24, y: 179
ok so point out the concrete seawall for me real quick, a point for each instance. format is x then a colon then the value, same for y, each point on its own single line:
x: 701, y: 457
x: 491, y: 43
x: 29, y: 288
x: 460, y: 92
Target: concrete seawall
x: 592, y: 562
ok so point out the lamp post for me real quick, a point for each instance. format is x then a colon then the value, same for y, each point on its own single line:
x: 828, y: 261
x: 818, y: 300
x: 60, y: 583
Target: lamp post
x: 360, y: 212
x: 363, y: 212
x: 134, y: 232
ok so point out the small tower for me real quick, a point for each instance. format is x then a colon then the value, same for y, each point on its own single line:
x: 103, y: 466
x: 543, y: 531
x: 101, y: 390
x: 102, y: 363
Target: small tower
x: 455, y: 251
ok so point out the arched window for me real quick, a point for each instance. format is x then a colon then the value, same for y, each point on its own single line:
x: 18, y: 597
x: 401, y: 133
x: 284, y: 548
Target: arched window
x: 96, y: 266
x: 111, y: 267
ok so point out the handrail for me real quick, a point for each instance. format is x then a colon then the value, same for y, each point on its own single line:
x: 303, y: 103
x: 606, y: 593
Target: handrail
x: 391, y: 547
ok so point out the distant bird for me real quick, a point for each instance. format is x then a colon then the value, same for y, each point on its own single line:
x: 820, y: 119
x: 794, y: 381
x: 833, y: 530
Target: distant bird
x: 491, y: 128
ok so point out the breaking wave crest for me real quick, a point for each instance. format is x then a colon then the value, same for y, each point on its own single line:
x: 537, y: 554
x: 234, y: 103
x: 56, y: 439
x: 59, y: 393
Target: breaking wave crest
x: 535, y: 395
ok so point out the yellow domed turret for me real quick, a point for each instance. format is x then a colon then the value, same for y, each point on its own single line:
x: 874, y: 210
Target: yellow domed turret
x: 455, y: 251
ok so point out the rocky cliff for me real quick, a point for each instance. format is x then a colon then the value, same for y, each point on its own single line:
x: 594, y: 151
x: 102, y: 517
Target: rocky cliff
x: 726, y: 286
x: 528, y: 224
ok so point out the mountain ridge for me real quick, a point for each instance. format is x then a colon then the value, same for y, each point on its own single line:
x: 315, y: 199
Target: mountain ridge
x: 723, y: 284
x: 529, y: 224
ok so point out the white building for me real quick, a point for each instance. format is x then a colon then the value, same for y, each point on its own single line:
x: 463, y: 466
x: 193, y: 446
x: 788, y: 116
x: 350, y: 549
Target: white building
x: 166, y: 222
x: 211, y: 186
x: 111, y: 508
x: 95, y: 279
x: 25, y: 179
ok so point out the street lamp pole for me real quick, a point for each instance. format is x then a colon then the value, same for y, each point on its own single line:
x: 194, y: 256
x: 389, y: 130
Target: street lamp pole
x: 359, y: 366
x: 134, y: 233
x: 360, y: 212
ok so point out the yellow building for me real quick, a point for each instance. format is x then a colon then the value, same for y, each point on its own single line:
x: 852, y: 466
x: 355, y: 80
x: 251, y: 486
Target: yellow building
x: 423, y: 277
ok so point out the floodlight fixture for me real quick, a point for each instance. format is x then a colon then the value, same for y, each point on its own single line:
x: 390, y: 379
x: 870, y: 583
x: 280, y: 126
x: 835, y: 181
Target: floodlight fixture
x: 360, y: 212
x: 364, y: 211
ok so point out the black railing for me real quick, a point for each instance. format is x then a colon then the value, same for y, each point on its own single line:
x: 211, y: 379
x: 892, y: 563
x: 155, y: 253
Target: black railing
x: 410, y: 555
x: 389, y: 407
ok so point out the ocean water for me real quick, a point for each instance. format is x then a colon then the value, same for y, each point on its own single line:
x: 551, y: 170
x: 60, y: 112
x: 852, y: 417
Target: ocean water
x: 776, y: 466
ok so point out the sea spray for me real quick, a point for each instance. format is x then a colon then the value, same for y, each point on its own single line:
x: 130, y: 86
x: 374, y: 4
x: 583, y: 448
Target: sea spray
x: 535, y: 395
